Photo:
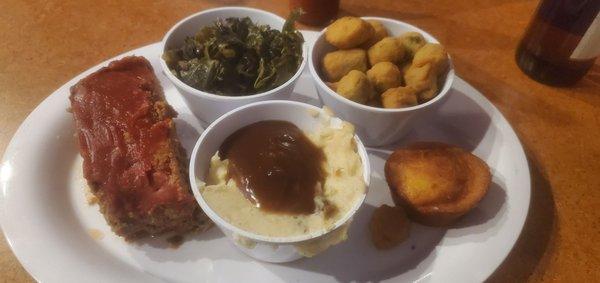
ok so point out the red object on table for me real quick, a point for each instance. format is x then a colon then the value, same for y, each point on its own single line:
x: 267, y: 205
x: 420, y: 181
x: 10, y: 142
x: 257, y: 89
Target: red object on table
x: 316, y: 12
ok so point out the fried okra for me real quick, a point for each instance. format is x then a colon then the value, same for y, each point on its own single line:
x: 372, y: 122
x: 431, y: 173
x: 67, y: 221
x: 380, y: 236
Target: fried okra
x: 348, y: 32
x: 386, y: 50
x: 423, y: 79
x: 338, y: 63
x: 356, y: 87
x: 398, y: 97
x: 380, y: 32
x: 432, y: 53
x: 384, y: 75
x: 332, y: 85
x: 411, y: 41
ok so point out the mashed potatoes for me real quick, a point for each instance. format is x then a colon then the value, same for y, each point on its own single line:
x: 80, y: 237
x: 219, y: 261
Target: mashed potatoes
x: 343, y: 187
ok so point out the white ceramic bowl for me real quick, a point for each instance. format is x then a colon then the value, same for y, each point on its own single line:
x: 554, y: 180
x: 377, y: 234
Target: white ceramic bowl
x: 271, y: 249
x: 375, y: 126
x: 207, y: 106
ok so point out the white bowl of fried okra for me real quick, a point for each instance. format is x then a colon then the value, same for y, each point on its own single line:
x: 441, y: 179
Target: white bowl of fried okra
x: 379, y: 74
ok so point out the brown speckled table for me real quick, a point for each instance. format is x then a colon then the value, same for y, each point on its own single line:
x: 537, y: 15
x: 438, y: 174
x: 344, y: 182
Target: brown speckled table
x: 43, y: 44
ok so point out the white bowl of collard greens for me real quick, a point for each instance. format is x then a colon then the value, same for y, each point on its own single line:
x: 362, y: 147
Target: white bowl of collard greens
x: 220, y: 59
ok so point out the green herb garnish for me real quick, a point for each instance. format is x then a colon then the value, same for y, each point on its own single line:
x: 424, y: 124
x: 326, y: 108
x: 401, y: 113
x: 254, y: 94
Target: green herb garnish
x: 236, y: 57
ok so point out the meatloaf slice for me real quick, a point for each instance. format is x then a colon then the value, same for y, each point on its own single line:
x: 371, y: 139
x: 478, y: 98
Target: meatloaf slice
x: 132, y: 159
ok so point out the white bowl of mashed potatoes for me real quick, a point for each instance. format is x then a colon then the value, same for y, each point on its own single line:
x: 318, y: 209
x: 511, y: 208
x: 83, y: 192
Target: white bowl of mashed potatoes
x: 282, y: 237
x: 376, y: 125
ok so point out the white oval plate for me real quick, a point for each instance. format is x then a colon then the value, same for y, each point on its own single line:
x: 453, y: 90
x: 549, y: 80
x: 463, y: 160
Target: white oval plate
x: 48, y: 223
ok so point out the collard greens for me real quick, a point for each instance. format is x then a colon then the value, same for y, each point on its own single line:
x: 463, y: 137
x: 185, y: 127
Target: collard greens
x: 236, y: 57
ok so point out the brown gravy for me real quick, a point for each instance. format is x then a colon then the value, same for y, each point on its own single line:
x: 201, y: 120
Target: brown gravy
x: 275, y: 166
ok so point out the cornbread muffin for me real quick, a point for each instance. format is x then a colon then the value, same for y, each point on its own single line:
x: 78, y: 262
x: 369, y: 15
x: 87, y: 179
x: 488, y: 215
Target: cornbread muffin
x: 132, y: 159
x: 436, y: 183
